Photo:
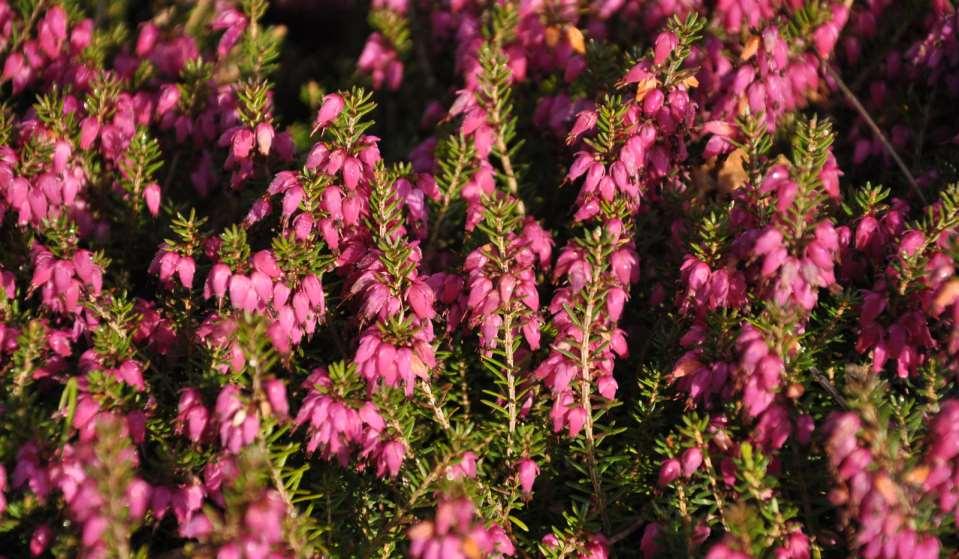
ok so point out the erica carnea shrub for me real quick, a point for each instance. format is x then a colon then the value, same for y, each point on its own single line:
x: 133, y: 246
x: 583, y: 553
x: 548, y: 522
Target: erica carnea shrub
x: 451, y: 279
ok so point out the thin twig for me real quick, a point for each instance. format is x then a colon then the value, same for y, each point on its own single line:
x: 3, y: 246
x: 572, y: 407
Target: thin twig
x: 825, y: 383
x: 419, y: 46
x: 921, y: 139
x: 509, y: 351
x: 585, y: 386
x: 413, y: 500
x: 902, y: 26
x: 171, y: 171
x: 627, y: 531
x: 197, y: 13
x: 453, y: 189
x: 437, y: 410
x: 25, y: 28
x: 854, y: 101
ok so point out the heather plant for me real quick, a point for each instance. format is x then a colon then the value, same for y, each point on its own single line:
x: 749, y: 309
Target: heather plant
x: 479, y: 278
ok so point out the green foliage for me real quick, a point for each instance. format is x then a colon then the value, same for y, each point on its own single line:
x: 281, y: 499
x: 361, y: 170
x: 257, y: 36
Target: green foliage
x: 943, y: 216
x: 350, y: 126
x: 36, y: 154
x: 811, y: 141
x: 454, y: 157
x: 394, y: 27
x: 112, y: 339
x: 6, y: 124
x: 143, y: 159
x: 235, y: 251
x: 494, y: 95
x: 258, y: 52
x: 387, y: 224
x: 712, y: 238
x: 253, y: 102
x: 113, y: 472
x: 189, y: 235
x: 868, y: 200
x: 102, y: 96
x: 761, y: 521
x: 501, y: 22
x: 755, y: 145
x: 61, y: 236
x: 50, y: 111
x: 604, y: 66
x: 194, y: 85
x: 688, y: 32
x: 804, y: 21
x: 299, y: 258
x: 609, y: 127
x: 105, y: 43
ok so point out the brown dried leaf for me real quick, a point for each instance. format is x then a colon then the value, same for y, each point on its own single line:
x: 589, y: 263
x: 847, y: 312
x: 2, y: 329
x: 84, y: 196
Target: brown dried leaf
x: 421, y: 531
x: 690, y: 82
x: 645, y: 86
x: 576, y: 39
x: 471, y: 549
x: 686, y: 366
x: 947, y: 295
x: 887, y: 488
x: 918, y: 475
x: 732, y: 175
x: 552, y: 36
x: 750, y: 49
x: 702, y: 177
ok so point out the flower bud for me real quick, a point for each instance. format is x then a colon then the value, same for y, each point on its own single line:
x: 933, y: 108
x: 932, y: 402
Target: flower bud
x: 264, y: 137
x: 151, y: 195
x: 527, y: 471
x: 691, y: 460
x: 330, y: 109
x: 669, y: 472
x: 276, y: 396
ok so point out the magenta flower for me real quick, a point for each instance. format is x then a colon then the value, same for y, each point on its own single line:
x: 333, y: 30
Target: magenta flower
x: 669, y: 472
x: 40, y: 540
x: 239, y: 421
x: 330, y: 109
x: 527, y: 470
x: 193, y: 416
x: 455, y: 533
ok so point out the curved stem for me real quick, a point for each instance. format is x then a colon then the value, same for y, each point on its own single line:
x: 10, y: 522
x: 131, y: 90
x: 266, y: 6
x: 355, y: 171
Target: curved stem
x: 585, y: 391
x: 452, y: 190
x: 510, y: 379
x: 275, y: 476
x: 711, y: 475
x: 511, y: 183
x: 854, y: 101
x: 437, y: 410
x: 502, y: 152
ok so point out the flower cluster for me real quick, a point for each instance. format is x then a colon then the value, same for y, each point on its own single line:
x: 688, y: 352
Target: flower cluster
x: 454, y: 533
x: 883, y: 494
x: 545, y: 278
